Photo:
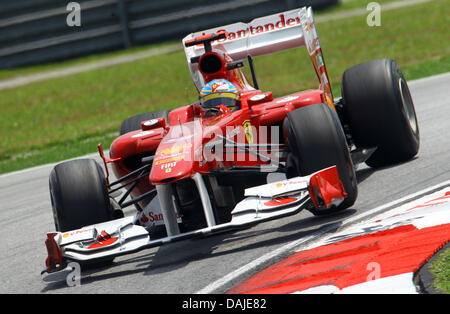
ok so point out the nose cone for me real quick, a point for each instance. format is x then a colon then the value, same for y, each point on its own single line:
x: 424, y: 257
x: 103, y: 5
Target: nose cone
x: 176, y: 158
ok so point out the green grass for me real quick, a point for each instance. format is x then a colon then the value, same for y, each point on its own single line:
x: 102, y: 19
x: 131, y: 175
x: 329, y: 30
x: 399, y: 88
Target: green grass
x: 57, y: 119
x: 440, y: 269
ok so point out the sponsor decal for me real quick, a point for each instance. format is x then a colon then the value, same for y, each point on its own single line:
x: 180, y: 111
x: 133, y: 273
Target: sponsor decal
x: 289, y: 183
x: 168, y: 160
x: 168, y: 167
x: 281, y: 23
x: 148, y: 218
x: 77, y: 232
x: 77, y: 236
x: 175, y: 149
x: 152, y: 217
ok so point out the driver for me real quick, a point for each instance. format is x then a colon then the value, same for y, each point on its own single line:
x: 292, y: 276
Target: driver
x: 219, y: 96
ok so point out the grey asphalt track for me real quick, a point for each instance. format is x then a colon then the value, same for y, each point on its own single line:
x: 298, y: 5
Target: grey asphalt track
x: 191, y: 265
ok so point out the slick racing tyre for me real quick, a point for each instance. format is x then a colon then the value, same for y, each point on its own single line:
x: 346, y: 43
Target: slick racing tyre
x: 134, y: 123
x: 79, y: 195
x: 316, y: 141
x: 380, y: 111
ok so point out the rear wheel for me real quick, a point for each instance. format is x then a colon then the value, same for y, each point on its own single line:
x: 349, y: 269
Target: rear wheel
x: 380, y: 111
x: 79, y: 195
x: 317, y: 141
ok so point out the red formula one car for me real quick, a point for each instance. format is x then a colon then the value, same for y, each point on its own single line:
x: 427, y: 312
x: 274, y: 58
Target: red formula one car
x: 236, y: 157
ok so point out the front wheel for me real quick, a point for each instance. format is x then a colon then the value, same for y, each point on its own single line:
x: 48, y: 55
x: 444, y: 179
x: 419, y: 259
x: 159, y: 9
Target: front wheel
x: 79, y: 195
x: 316, y: 141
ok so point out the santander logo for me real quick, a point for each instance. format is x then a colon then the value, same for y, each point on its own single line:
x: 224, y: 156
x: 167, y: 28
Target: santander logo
x: 283, y: 22
x: 152, y: 217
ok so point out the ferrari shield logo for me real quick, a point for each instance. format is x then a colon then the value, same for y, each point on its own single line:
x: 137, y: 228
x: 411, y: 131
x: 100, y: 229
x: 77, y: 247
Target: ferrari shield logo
x: 248, y: 131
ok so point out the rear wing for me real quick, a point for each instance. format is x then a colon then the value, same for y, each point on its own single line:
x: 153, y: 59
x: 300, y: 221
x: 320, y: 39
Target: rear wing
x: 264, y: 35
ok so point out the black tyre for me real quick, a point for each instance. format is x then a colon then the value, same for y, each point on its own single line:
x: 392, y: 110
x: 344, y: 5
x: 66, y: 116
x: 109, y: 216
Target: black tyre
x: 79, y: 195
x: 134, y: 123
x: 380, y: 111
x: 317, y: 141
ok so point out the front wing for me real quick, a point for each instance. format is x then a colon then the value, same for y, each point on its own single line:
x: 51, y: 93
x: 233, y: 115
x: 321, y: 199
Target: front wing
x: 107, y: 240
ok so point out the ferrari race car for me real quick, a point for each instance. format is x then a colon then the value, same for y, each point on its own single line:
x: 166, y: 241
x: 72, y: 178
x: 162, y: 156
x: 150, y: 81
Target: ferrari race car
x: 236, y: 157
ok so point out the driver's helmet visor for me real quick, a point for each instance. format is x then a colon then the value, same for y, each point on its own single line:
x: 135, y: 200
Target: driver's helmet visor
x: 230, y: 100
